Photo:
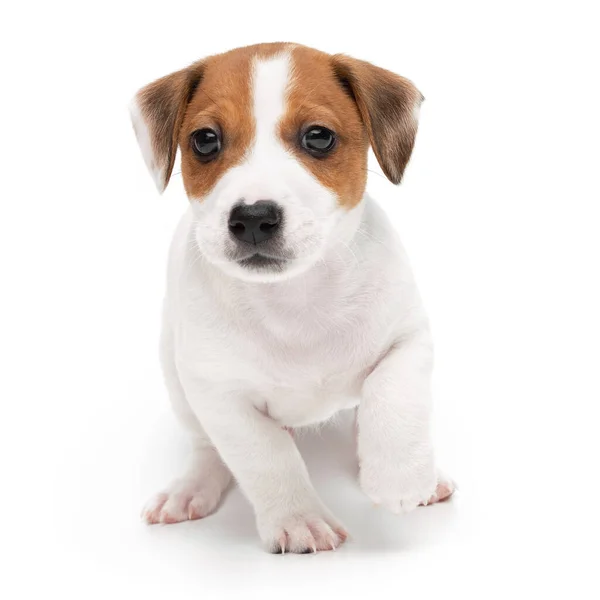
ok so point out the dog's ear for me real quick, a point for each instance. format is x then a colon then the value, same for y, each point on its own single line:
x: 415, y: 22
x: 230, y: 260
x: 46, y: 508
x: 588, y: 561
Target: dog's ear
x: 389, y: 106
x: 157, y: 112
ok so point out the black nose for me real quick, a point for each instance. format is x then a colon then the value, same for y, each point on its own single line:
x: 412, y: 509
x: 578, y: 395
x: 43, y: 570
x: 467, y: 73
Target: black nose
x: 255, y: 223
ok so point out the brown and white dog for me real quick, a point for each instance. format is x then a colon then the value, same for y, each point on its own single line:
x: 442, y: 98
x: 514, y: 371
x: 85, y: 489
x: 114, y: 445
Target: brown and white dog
x: 289, y: 297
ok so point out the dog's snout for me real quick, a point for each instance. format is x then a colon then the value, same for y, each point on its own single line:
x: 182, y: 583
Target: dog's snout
x: 255, y: 223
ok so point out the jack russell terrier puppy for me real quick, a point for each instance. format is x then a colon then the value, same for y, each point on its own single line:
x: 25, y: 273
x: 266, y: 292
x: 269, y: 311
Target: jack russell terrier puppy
x: 289, y: 297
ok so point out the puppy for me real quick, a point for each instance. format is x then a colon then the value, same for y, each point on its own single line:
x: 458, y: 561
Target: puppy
x: 289, y: 297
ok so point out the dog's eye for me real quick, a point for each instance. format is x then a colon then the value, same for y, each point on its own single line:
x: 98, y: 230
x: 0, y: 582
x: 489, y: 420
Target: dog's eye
x: 318, y: 140
x: 206, y: 144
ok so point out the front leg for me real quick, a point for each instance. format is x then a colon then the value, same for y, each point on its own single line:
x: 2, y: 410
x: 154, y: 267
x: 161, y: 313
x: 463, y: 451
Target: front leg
x: 269, y: 469
x: 395, y: 453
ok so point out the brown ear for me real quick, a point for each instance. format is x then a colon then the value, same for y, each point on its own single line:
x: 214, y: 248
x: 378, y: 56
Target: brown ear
x: 157, y: 112
x: 389, y: 107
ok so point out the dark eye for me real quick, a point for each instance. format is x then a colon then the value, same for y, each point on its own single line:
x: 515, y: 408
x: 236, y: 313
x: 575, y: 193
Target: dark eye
x: 318, y: 140
x: 206, y: 144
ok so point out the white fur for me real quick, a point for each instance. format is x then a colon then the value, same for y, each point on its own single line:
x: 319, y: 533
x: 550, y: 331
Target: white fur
x: 144, y: 140
x: 416, y: 111
x: 245, y: 356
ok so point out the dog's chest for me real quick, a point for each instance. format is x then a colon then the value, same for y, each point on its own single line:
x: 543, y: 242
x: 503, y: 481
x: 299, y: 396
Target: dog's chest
x: 301, y: 366
x: 307, y: 381
x: 300, y: 386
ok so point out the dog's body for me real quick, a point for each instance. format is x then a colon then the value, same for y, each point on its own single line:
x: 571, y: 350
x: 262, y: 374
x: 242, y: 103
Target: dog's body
x: 289, y: 296
x: 304, y: 346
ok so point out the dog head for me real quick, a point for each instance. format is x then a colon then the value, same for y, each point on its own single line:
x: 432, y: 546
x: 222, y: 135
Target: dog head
x: 274, y: 141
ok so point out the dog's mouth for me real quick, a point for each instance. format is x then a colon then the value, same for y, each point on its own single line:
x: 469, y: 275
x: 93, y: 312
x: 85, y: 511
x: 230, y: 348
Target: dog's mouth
x: 263, y: 262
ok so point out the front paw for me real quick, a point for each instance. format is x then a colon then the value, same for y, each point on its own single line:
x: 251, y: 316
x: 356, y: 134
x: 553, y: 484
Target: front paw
x: 399, y: 486
x: 185, y: 499
x: 301, y: 531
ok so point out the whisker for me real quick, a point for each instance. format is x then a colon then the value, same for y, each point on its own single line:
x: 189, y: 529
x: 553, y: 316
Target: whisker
x: 351, y: 251
x: 376, y: 173
x: 369, y: 235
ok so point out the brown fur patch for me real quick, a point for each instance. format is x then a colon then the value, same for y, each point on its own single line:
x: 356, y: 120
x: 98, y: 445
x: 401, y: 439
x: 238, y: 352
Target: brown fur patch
x: 315, y: 97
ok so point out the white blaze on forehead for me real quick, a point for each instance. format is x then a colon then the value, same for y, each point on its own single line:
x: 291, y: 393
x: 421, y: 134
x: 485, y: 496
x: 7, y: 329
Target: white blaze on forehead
x: 270, y: 80
x: 271, y: 170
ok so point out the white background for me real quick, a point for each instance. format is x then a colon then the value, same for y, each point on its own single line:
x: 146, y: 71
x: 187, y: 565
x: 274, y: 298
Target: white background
x: 499, y: 211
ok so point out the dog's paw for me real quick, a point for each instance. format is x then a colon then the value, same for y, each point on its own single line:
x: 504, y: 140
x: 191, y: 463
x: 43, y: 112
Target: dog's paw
x: 402, y: 487
x: 301, y: 532
x: 443, y: 491
x: 184, y: 500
